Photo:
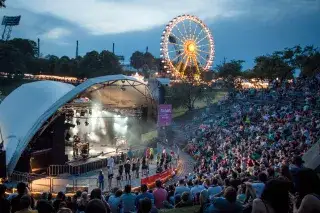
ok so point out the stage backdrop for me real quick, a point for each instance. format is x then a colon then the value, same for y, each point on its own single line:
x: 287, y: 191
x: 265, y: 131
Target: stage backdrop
x: 164, y: 115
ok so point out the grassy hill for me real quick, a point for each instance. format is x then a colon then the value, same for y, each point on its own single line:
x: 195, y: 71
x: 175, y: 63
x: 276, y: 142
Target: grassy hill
x: 217, y: 94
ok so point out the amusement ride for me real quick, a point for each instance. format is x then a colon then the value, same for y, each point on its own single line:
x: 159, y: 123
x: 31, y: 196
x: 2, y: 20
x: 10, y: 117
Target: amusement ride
x: 187, y: 47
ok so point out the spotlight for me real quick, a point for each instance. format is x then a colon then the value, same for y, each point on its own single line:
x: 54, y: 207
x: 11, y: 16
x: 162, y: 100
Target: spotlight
x: 123, y: 81
x: 78, y: 122
x: 123, y: 89
x: 86, y: 123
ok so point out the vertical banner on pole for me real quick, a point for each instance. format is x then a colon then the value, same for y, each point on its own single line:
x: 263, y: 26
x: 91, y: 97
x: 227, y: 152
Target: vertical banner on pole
x: 164, y: 115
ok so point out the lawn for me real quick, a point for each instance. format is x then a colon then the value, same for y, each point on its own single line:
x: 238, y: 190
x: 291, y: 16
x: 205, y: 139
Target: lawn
x: 199, y: 104
x: 181, y: 210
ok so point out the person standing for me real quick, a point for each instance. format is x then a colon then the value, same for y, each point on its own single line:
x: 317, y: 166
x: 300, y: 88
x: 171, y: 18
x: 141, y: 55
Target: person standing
x: 144, y: 166
x: 101, y: 180
x: 134, y: 166
x: 137, y: 168
x: 127, y: 168
x: 111, y: 162
x: 110, y: 176
x: 130, y: 154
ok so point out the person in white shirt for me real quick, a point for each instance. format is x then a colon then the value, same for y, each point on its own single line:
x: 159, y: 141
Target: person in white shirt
x: 110, y: 162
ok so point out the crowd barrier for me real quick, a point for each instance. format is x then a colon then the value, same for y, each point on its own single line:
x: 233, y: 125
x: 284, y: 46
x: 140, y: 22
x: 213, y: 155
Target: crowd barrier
x: 163, y: 176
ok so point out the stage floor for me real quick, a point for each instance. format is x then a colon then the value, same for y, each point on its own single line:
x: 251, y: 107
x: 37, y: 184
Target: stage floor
x: 95, y: 150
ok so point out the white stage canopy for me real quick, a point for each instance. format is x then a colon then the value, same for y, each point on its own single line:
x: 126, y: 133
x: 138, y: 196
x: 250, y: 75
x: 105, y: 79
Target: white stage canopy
x: 27, y: 108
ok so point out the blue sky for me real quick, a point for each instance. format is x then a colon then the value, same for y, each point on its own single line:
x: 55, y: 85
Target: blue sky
x: 242, y: 29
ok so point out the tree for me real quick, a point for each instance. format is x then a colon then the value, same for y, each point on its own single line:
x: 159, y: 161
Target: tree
x: 19, y: 55
x: 185, y: 94
x: 272, y: 67
x: 137, y: 60
x: 11, y: 60
x: 25, y: 46
x: 230, y: 71
x: 110, y: 62
x: 2, y: 3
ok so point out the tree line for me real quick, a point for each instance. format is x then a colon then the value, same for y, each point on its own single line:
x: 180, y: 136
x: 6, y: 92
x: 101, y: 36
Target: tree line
x: 19, y: 56
x: 279, y: 65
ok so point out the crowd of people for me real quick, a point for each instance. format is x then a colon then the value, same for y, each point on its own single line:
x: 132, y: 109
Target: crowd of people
x: 248, y: 159
x: 254, y: 145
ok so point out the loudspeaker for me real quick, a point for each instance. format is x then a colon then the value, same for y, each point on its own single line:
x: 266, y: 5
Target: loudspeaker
x: 144, y: 113
x: 3, y: 167
x: 162, y: 94
x: 58, y: 146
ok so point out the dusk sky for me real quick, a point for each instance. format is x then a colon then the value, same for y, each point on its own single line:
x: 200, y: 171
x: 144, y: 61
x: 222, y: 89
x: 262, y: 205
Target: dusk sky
x: 242, y: 29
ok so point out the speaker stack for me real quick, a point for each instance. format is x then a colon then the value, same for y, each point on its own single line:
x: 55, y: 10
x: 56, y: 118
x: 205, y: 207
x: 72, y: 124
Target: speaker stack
x: 3, y: 167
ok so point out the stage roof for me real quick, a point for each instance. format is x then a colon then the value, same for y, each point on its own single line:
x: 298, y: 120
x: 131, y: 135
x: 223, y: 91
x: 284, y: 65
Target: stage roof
x: 26, y: 109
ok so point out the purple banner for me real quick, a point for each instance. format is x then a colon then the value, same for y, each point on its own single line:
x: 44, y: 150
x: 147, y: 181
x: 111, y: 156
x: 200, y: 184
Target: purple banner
x: 164, y: 114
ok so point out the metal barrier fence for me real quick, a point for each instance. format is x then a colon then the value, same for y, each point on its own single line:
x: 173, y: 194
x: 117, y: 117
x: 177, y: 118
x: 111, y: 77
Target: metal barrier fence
x: 55, y: 170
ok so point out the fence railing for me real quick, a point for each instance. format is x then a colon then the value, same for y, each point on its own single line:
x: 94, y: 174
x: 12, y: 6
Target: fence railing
x: 55, y: 170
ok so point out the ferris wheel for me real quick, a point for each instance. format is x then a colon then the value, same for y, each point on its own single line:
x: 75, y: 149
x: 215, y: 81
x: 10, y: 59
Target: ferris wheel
x: 186, y: 44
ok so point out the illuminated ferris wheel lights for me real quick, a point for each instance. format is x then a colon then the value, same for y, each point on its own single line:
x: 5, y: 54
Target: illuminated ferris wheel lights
x: 187, y: 43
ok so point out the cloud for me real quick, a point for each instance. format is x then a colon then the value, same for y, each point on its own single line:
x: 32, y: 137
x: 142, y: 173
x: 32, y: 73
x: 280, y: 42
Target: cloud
x: 56, y: 33
x: 100, y: 17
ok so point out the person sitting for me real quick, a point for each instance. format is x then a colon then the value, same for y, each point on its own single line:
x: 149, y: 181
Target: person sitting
x: 96, y: 206
x: 60, y: 198
x: 228, y: 203
x: 195, y: 191
x: 185, y: 201
x: 25, y: 205
x: 214, y: 189
x: 146, y: 206
x: 308, y: 188
x: 128, y: 200
x: 115, y: 200
x: 15, y: 202
x: 179, y: 190
x: 144, y: 193
x: 43, y: 205
x: 160, y: 195
x: 274, y: 199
